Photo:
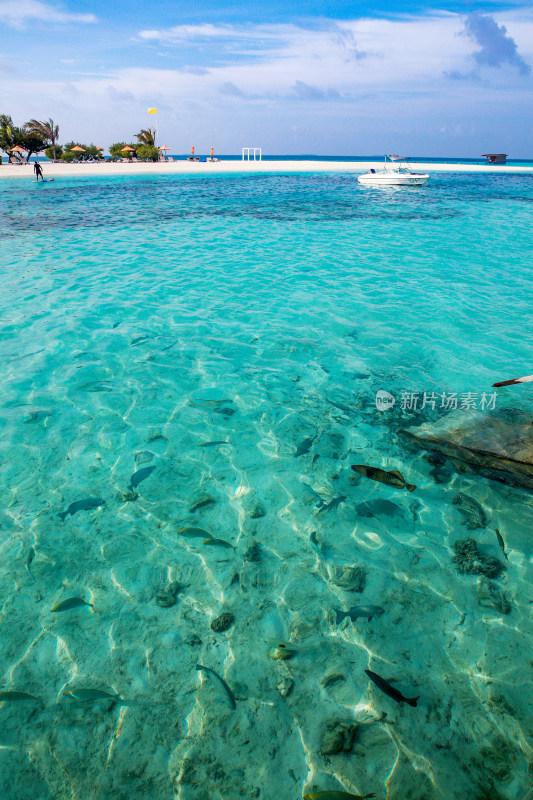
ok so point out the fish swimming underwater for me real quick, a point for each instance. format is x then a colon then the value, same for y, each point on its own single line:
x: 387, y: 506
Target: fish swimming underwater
x: 140, y: 475
x: 319, y: 500
x: 225, y: 686
x: 472, y: 512
x: 194, y: 533
x: 218, y: 543
x: 355, y: 612
x: 392, y: 478
x: 316, y: 547
x: 201, y: 503
x: 13, y: 696
x: 379, y: 507
x: 29, y: 560
x: 213, y: 444
x: 304, y: 447
x: 342, y: 407
x: 91, y: 694
x: 336, y: 795
x: 87, y: 504
x: 389, y: 690
x: 333, y: 504
x: 500, y: 542
x: 71, y: 602
x: 37, y: 415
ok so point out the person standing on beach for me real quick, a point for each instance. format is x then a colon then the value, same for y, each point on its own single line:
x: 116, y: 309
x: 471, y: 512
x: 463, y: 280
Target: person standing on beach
x: 38, y: 171
x: 212, y: 152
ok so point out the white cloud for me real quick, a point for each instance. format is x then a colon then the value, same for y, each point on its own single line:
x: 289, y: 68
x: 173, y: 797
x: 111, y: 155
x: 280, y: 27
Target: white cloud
x: 363, y: 85
x: 16, y: 14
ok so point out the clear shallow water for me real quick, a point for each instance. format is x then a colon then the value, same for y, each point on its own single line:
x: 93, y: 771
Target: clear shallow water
x: 144, y: 317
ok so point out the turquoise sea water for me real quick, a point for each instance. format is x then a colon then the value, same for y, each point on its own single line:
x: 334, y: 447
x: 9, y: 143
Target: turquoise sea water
x: 232, y: 332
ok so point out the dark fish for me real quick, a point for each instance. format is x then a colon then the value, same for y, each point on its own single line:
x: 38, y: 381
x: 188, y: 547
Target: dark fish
x: 471, y: 511
x: 379, y: 507
x: 29, y: 560
x: 219, y: 543
x: 500, y: 542
x: 37, y: 416
x: 140, y: 339
x: 72, y: 602
x: 389, y: 690
x: 97, y: 386
x: 414, y: 508
x: 316, y: 546
x: 222, y: 681
x: 202, y: 503
x: 143, y: 455
x: 332, y: 504
x: 115, y: 324
x: 140, y: 476
x: 213, y: 444
x: 91, y: 694
x: 392, y: 478
x: 320, y: 500
x: 14, y: 696
x: 359, y: 611
x: 336, y: 795
x: 194, y: 533
x: 86, y: 504
x: 304, y: 447
x: 345, y: 409
x: 226, y: 412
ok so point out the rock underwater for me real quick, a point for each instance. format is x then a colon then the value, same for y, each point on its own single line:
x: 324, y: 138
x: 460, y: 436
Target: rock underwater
x: 497, y: 445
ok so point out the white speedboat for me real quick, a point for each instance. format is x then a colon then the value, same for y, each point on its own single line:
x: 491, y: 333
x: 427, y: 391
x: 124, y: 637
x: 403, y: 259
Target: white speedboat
x: 394, y: 174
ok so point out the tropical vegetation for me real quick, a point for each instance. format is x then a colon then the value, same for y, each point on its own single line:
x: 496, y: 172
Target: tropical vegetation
x: 37, y: 136
x: 146, y: 136
x: 146, y: 149
x: 91, y: 151
x: 27, y: 137
x: 116, y: 150
x: 48, y: 131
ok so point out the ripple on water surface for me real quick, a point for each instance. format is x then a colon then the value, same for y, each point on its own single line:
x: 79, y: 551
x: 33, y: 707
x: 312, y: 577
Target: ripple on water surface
x: 190, y: 370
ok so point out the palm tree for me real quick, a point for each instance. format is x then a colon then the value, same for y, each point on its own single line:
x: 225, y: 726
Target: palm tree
x: 10, y: 135
x: 146, y: 136
x: 47, y: 131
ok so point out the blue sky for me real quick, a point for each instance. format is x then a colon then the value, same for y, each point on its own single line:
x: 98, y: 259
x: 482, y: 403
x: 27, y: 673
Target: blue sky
x: 443, y: 79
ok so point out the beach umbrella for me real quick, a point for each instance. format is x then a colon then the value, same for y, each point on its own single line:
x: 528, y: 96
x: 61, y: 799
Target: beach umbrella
x: 163, y: 147
x: 17, y: 149
x: 128, y: 149
x: 77, y: 149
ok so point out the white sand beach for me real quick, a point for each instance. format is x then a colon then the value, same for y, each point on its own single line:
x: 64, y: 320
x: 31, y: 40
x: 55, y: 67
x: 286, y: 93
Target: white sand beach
x: 216, y: 167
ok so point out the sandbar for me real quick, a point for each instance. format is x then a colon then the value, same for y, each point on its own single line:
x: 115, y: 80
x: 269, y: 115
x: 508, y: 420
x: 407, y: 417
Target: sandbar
x: 65, y: 170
